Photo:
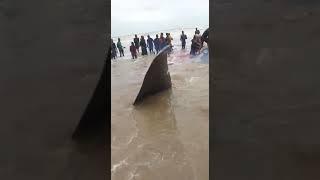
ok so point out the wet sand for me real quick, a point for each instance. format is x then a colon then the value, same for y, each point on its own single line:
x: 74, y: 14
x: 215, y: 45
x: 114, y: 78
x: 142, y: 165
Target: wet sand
x: 166, y: 137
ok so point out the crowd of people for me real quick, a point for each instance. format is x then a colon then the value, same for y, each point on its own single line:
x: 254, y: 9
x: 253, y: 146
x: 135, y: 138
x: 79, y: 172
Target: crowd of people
x: 155, y: 45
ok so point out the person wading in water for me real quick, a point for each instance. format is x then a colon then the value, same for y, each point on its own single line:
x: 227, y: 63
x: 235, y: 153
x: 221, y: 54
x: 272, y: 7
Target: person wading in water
x: 150, y: 44
x: 133, y: 51
x: 143, y: 46
x: 183, y: 38
x: 169, y: 41
x: 196, y: 44
x: 120, y: 48
x: 156, y: 42
x: 162, y: 41
x: 136, y: 42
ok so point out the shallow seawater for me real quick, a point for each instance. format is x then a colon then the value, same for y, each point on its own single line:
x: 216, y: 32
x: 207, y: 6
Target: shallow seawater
x: 167, y: 135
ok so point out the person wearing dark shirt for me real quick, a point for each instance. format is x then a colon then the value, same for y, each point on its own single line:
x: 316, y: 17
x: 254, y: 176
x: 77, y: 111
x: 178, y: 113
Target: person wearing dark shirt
x: 143, y: 46
x: 197, y: 31
x: 150, y: 44
x: 193, y: 46
x: 156, y: 43
x: 183, y: 38
x: 133, y: 51
x: 196, y: 44
x: 120, y: 47
x: 136, y: 42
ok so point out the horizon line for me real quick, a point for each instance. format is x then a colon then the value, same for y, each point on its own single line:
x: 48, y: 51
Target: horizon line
x: 201, y: 27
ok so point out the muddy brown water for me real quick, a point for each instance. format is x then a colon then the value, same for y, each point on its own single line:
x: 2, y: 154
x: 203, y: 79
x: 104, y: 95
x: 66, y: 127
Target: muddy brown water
x: 167, y: 136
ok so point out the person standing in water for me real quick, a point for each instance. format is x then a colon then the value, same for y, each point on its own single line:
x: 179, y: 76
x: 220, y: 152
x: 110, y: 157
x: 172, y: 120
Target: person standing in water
x: 143, y: 45
x: 136, y: 42
x: 196, y: 44
x: 150, y: 44
x: 120, y: 48
x: 113, y: 49
x: 162, y: 41
x: 193, y: 46
x: 133, y: 51
x: 169, y: 40
x: 183, y: 38
x: 156, y: 43
x: 199, y: 41
x: 197, y: 31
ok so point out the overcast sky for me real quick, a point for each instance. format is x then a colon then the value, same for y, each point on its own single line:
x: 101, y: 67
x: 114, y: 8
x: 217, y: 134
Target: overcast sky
x: 138, y: 16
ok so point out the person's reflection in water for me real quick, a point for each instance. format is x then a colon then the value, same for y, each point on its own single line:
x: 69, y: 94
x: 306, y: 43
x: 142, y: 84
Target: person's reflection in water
x: 156, y: 152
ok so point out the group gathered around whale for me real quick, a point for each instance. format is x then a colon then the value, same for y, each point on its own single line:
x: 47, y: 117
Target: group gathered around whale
x: 155, y: 45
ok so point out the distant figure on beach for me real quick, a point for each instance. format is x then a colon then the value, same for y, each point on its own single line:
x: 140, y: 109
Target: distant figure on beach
x: 133, y: 51
x: 162, y: 41
x: 143, y: 45
x: 156, y: 43
x: 120, y: 48
x: 197, y: 31
x: 150, y: 44
x: 136, y: 42
x: 113, y: 49
x: 183, y: 38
